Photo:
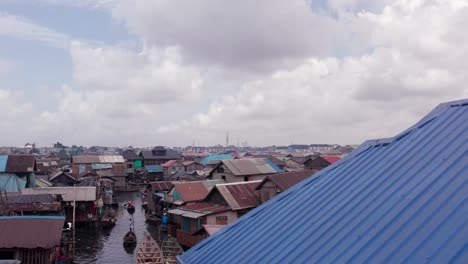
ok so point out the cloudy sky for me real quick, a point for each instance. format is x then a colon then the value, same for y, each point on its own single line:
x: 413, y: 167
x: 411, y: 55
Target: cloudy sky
x: 167, y: 72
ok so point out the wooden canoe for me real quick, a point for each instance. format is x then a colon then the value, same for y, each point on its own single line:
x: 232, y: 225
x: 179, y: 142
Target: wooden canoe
x: 149, y: 252
x: 171, y: 249
x: 129, y: 238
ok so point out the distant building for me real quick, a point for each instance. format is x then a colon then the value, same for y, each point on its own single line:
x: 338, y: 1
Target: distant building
x: 132, y: 162
x: 275, y: 184
x: 239, y: 170
x: 172, y: 167
x: 224, y: 204
x: 190, y: 166
x: 317, y: 163
x: 159, y: 155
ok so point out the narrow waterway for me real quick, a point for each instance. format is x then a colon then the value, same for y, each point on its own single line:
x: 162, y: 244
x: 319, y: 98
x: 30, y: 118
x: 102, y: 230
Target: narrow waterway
x: 96, y: 245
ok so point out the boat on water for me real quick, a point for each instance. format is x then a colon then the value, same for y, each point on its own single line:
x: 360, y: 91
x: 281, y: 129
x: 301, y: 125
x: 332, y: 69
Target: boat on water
x: 152, y: 218
x: 149, y: 252
x: 171, y: 249
x: 109, y: 219
x: 130, y: 208
x: 129, y: 239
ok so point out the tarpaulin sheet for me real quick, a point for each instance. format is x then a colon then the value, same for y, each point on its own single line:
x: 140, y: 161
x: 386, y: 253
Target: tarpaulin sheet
x: 11, y: 183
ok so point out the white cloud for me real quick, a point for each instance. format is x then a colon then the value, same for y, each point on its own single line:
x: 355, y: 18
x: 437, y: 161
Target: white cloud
x: 5, y: 66
x: 252, y: 35
x: 18, y: 120
x: 23, y: 28
x: 350, y: 99
x: 270, y: 72
x: 81, y: 3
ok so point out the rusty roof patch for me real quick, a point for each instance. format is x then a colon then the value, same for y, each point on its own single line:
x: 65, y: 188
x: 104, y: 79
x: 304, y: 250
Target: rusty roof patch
x: 240, y: 195
x: 286, y: 180
x: 20, y: 163
x: 31, y: 231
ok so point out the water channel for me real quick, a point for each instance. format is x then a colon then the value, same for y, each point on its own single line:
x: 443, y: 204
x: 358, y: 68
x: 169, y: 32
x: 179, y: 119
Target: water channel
x: 97, y: 245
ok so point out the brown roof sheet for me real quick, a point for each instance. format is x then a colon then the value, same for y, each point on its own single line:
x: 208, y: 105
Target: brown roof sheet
x: 286, y: 180
x: 240, y: 195
x: 192, y: 191
x: 30, y: 231
x: 169, y: 163
x: 160, y: 186
x: 85, y: 159
x: 252, y: 166
x: 272, y: 158
x: 205, y: 208
x: 20, y: 163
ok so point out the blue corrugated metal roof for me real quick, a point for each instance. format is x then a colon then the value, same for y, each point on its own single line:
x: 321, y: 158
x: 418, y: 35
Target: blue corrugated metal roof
x: 215, y: 157
x: 154, y: 168
x: 3, y: 162
x: 403, y: 199
x: 273, y: 165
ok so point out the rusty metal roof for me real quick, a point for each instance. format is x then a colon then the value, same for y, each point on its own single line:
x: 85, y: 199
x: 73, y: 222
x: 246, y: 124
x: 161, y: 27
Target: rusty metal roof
x: 331, y: 159
x: 30, y: 231
x: 192, y: 191
x: 205, y: 208
x: 169, y: 163
x: 239, y: 195
x: 20, y: 163
x: 251, y: 166
x: 286, y: 180
x: 161, y: 186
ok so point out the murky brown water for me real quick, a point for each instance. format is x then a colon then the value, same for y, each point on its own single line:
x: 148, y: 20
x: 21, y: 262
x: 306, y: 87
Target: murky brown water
x: 96, y: 245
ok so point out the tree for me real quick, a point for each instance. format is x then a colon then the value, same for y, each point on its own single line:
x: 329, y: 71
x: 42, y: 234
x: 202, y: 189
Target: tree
x: 59, y: 145
x: 34, y: 151
x: 93, y: 149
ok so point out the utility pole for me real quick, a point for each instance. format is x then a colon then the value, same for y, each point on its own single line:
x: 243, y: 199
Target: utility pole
x: 74, y: 212
x: 227, y: 139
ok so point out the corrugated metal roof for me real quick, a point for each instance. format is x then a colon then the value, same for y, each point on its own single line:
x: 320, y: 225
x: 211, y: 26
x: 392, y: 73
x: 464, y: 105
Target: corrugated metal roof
x: 68, y: 193
x: 286, y: 180
x: 85, y: 159
x: 216, y: 157
x: 90, y: 159
x: 240, y: 195
x: 205, y: 208
x: 169, y: 155
x: 43, y: 183
x: 111, y: 159
x: 184, y: 213
x: 161, y: 186
x: 397, y: 200
x: 130, y: 155
x: 331, y: 159
x: 20, y: 163
x: 191, y: 191
x: 3, y: 162
x: 154, y: 168
x: 251, y: 166
x: 170, y: 163
x: 31, y: 231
